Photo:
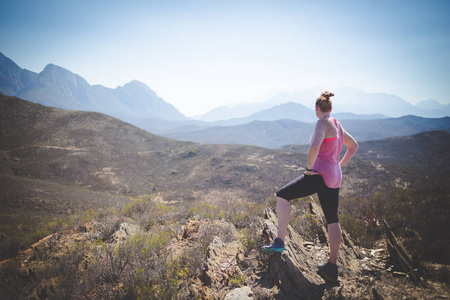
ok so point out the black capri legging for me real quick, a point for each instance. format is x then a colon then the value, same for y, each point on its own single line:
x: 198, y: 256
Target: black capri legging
x: 307, y: 185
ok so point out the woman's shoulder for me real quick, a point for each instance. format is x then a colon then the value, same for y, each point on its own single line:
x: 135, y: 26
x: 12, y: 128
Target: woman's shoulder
x: 321, y: 124
x: 339, y: 125
x: 332, y: 120
x: 322, y: 121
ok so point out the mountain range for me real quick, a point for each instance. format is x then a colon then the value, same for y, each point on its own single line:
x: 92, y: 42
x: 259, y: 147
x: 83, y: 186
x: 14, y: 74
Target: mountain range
x: 283, y: 119
x: 276, y: 134
x: 58, y: 87
x: 346, y: 100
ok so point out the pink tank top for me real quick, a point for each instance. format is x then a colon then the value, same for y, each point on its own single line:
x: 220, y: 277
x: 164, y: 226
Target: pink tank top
x: 327, y: 163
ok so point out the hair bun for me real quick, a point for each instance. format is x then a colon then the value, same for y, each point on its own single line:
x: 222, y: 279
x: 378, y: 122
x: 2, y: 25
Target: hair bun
x: 327, y: 95
x: 324, y: 101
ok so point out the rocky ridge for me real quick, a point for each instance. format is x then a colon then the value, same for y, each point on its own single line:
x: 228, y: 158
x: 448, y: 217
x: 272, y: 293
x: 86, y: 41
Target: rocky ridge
x: 230, y: 270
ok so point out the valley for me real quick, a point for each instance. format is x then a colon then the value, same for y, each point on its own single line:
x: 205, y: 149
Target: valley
x: 91, y: 151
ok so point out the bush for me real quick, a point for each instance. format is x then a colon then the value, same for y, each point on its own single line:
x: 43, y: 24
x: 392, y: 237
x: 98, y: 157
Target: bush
x: 204, y: 211
x: 308, y: 226
x: 164, y: 281
x: 421, y: 211
x: 87, y: 216
x: 18, y: 234
x: 11, y: 282
x: 251, y: 238
x: 156, y: 274
x: 140, y: 268
x: 147, y: 212
x: 271, y: 202
x: 443, y: 274
x: 243, y: 214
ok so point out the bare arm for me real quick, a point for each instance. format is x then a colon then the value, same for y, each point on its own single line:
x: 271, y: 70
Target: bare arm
x: 319, y: 135
x: 352, y: 145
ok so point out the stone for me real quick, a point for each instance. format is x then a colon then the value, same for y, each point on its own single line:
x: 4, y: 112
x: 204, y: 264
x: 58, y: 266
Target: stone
x: 125, y: 230
x: 240, y: 294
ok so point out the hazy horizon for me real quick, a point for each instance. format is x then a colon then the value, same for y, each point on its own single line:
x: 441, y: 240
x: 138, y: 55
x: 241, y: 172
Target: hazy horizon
x: 199, y: 55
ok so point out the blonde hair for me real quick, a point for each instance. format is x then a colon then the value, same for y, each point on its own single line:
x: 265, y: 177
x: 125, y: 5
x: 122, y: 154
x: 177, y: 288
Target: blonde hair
x: 324, y: 101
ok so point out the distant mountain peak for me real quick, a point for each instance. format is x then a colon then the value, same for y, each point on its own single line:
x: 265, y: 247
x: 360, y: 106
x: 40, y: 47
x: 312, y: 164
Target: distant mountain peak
x: 60, y: 74
x: 136, y: 83
x: 59, y: 87
x: 431, y: 104
x: 52, y: 68
x: 137, y: 90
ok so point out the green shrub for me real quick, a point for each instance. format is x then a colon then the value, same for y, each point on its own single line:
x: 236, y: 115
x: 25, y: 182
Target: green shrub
x: 20, y: 233
x: 421, y: 210
x: 163, y: 282
x: 147, y: 213
x: 136, y: 207
x: 237, y: 280
x: 11, y: 282
x: 307, y: 225
x: 271, y: 202
x: 87, y: 216
x: 149, y: 244
x: 156, y: 274
x: 204, y: 211
x: 243, y: 214
x: 251, y: 238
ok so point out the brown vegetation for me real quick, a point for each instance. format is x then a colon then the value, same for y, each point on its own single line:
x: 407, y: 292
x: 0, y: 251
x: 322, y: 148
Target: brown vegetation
x: 61, y: 170
x: 197, y: 252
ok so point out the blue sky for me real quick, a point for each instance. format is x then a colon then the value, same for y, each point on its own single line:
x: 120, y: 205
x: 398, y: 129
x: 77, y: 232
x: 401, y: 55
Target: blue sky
x: 198, y: 55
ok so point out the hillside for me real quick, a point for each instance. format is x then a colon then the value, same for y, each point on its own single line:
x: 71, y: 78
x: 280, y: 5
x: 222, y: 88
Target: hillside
x: 427, y: 148
x: 47, y: 152
x: 60, y: 169
x: 421, y: 149
x: 91, y: 151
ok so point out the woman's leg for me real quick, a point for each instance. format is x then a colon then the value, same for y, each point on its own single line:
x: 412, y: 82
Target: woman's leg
x: 284, y: 215
x: 334, y: 239
x: 329, y: 200
x: 302, y: 186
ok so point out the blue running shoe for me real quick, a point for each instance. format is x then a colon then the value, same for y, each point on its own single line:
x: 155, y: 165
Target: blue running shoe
x: 276, y: 247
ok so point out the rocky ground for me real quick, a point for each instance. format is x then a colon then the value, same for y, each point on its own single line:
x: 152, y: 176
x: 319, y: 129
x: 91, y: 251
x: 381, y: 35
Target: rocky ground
x: 232, y: 270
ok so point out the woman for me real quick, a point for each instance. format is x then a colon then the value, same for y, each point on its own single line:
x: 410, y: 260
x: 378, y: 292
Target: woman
x: 323, y: 176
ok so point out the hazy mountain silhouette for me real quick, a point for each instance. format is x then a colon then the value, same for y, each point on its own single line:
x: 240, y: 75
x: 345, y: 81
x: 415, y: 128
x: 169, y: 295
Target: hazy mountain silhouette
x: 435, y: 107
x: 287, y: 111
x: 58, y: 87
x: 137, y: 104
x: 276, y: 134
x: 292, y: 111
x: 243, y: 110
x: 359, y: 102
x: 346, y: 100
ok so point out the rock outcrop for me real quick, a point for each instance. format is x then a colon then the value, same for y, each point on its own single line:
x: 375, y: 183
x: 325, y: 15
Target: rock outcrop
x: 295, y: 270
